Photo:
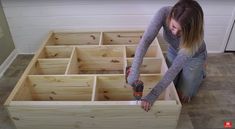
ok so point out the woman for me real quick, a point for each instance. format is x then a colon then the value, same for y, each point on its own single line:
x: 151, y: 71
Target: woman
x: 183, y: 30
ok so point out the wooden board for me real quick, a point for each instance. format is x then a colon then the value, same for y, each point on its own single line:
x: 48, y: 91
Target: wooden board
x: 76, y: 80
x: 93, y: 115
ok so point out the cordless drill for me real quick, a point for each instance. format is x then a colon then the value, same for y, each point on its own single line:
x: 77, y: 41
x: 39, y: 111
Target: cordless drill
x: 138, y: 85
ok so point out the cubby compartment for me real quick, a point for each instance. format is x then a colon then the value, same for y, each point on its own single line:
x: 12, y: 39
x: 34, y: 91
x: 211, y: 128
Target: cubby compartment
x: 56, y: 52
x: 49, y: 67
x: 149, y: 65
x: 114, y: 88
x: 97, y: 60
x: 151, y: 52
x: 56, y: 88
x: 149, y: 82
x: 121, y: 38
x: 74, y: 38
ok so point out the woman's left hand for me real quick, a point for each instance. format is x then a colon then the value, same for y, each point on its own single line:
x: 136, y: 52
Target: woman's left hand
x: 146, y: 105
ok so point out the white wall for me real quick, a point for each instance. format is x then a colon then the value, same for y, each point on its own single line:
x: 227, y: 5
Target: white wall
x: 30, y: 20
x: 231, y: 41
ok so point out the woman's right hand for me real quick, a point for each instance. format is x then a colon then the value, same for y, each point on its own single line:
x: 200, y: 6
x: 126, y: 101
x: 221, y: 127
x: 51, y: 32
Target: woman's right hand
x: 146, y: 105
x: 130, y: 79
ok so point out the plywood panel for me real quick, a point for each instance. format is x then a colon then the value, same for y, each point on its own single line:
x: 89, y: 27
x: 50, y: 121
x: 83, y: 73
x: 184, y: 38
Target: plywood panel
x: 130, y: 51
x: 50, y: 66
x: 56, y: 52
x: 96, y: 116
x: 121, y: 38
x: 149, y: 65
x: 54, y: 88
x: 100, y: 59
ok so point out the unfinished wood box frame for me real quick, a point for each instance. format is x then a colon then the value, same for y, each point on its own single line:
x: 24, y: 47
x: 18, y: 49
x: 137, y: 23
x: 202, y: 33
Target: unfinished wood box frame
x: 76, y: 80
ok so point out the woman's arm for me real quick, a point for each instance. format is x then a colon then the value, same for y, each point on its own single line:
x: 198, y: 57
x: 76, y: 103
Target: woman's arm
x: 148, y: 37
x: 178, y: 64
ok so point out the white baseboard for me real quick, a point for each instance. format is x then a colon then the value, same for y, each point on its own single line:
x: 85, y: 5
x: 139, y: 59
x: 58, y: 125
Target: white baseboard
x: 215, y: 52
x: 25, y: 53
x: 7, y: 62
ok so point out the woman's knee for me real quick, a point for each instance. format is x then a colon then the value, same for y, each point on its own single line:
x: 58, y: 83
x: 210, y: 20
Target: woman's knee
x: 189, y: 84
x: 184, y: 98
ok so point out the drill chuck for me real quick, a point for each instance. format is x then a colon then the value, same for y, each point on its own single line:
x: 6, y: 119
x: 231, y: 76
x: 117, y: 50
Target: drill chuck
x: 138, y: 88
x: 138, y: 85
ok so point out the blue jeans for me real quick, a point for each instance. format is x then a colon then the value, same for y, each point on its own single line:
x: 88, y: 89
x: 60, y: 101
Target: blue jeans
x: 188, y: 81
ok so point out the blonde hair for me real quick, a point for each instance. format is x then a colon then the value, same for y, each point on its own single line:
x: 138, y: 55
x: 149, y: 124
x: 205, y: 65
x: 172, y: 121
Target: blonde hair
x: 189, y: 14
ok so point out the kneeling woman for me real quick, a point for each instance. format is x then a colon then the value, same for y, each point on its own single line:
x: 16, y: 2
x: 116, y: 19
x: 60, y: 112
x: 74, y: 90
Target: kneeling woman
x: 183, y: 30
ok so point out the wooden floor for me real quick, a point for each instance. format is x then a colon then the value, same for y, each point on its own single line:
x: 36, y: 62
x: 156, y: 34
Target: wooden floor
x: 213, y: 105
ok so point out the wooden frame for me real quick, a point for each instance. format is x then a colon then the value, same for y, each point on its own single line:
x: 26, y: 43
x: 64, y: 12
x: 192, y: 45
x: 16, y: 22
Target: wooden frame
x: 77, y: 80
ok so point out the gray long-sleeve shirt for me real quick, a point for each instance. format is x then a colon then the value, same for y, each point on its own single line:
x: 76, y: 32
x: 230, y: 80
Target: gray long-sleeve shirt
x: 158, y: 21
